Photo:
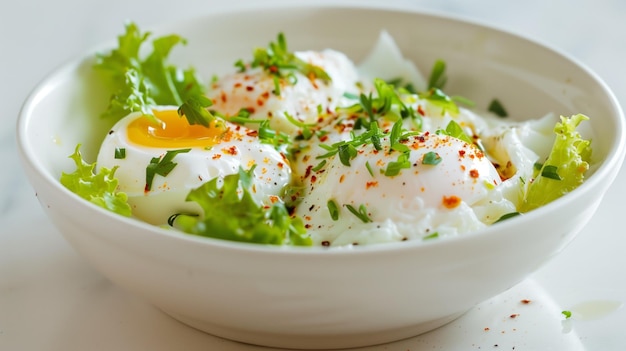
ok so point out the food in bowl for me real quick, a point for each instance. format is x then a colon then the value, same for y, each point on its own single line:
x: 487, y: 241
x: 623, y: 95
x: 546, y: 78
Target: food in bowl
x: 316, y: 297
x: 307, y: 148
x: 355, y: 160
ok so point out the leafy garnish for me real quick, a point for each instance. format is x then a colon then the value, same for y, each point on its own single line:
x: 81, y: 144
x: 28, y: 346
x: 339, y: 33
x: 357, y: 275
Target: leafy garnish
x: 194, y: 109
x: 431, y: 158
x: 454, y: 130
x: 496, y: 107
x: 361, y: 213
x: 278, y: 61
x: 431, y: 236
x: 333, y: 209
x: 507, y: 216
x: 438, y: 98
x: 438, y: 78
x: 564, y: 169
x: 231, y: 213
x: 120, y: 153
x: 161, y: 166
x: 99, y: 189
x: 567, y: 314
x: 139, y: 83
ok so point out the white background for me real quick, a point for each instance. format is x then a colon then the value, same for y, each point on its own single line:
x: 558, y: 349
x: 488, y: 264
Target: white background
x: 50, y: 299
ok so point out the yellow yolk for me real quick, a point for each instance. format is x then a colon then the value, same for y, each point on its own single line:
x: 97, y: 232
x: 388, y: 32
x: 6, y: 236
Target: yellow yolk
x: 173, y: 131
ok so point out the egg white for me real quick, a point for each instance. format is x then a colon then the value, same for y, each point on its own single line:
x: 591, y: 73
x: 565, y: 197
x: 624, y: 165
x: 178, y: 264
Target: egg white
x: 254, y: 90
x: 168, y: 193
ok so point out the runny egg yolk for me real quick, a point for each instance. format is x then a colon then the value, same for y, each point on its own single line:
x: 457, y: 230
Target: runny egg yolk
x: 173, y: 131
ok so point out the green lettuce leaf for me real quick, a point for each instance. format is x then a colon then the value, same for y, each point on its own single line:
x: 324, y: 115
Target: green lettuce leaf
x: 99, y: 188
x: 231, y: 213
x: 564, y: 169
x: 137, y: 83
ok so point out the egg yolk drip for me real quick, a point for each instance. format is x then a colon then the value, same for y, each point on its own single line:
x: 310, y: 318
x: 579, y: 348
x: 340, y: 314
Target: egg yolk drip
x: 174, y: 131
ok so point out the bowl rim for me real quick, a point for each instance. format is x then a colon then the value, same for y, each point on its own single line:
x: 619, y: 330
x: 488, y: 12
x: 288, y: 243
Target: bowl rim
x: 607, y: 173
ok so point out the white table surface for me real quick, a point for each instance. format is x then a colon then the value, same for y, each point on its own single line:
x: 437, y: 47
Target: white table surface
x: 51, y: 299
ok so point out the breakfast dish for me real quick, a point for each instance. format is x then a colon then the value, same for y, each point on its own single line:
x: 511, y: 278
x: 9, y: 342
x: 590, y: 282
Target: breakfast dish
x: 309, y: 148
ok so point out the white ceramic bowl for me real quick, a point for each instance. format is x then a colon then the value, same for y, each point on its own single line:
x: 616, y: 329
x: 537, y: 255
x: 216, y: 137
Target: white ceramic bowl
x: 311, y: 297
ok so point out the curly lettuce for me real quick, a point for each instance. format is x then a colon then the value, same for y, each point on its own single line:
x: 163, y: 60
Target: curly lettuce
x: 97, y: 188
x: 138, y: 83
x: 231, y: 213
x: 564, y: 169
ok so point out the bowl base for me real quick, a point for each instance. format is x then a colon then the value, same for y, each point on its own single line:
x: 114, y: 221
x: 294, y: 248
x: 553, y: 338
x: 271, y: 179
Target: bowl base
x: 314, y: 341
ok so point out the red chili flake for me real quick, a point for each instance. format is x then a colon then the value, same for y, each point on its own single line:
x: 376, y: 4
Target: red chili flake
x: 250, y: 109
x: 249, y: 87
x: 260, y: 102
x: 231, y: 150
x: 421, y: 138
x: 514, y: 315
x: 216, y: 156
x: 265, y: 95
x: 525, y: 301
x: 461, y: 152
x: 325, y: 243
x: 307, y: 173
x: 280, y: 165
x: 420, y: 110
x: 342, y: 178
x: 313, y: 179
x: 252, y: 133
x: 474, y: 173
x: 237, y: 85
x: 486, y: 329
x: 451, y: 201
x: 223, y: 96
x: 307, y: 226
x: 273, y: 69
x: 371, y: 184
x: 324, y: 138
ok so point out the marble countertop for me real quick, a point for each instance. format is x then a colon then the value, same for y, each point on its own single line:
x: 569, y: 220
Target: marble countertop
x: 51, y: 299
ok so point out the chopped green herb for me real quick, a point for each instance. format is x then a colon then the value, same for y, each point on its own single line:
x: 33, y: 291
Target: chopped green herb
x: 567, y: 314
x: 394, y: 167
x: 550, y: 171
x: 431, y: 236
x: 507, y: 216
x: 361, y: 213
x: 453, y: 129
x: 120, y: 153
x: 161, y: 166
x: 319, y: 166
x: 194, y: 109
x: 438, y: 79
x: 369, y: 168
x: 333, y: 209
x: 431, y: 158
x: 277, y: 60
x: 496, y: 107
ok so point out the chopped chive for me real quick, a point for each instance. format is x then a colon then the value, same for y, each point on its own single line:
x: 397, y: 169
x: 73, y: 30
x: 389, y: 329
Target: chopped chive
x: 567, y: 314
x: 333, y: 209
x: 120, y: 153
x: 549, y: 171
x: 361, y: 213
x: 369, y: 168
x: 319, y: 166
x: 431, y: 236
x: 276, y: 86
